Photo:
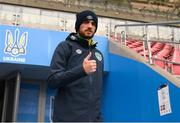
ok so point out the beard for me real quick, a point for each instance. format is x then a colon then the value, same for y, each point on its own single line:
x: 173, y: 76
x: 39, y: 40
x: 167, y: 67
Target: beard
x: 85, y: 34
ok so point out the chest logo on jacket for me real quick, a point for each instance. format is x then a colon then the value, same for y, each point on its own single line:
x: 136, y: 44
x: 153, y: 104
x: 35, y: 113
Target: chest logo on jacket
x: 78, y: 51
x: 98, y: 56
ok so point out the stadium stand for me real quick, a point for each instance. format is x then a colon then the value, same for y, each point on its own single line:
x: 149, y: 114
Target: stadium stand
x: 162, y: 53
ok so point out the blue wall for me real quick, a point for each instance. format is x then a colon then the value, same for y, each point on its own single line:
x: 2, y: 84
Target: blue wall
x: 130, y: 93
x: 38, y: 47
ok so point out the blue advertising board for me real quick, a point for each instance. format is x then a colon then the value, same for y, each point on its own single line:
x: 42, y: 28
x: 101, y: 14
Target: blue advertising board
x: 35, y: 46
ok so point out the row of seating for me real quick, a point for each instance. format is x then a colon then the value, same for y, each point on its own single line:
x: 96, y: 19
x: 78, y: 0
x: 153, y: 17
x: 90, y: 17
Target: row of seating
x: 161, y: 53
x: 176, y: 58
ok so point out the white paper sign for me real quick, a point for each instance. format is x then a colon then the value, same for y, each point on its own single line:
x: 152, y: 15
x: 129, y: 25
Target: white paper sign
x: 164, y: 100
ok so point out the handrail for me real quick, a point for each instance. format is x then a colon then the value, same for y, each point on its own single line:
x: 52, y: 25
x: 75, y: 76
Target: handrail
x: 149, y: 24
x: 162, y: 41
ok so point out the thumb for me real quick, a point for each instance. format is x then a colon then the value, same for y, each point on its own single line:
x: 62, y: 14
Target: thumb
x: 88, y: 56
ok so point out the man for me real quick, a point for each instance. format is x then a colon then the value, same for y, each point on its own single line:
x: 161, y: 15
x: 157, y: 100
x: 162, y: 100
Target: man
x: 77, y: 71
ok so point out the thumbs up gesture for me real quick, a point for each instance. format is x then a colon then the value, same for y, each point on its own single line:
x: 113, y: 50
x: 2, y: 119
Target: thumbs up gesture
x: 89, y: 65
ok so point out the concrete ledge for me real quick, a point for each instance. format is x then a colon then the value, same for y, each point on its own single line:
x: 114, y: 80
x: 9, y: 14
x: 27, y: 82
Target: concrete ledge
x: 59, y: 6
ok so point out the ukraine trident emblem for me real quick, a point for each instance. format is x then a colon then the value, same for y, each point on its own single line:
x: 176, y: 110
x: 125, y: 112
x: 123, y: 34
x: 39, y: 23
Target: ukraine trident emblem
x: 16, y: 45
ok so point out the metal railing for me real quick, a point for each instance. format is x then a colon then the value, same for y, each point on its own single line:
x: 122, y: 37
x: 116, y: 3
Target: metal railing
x: 147, y: 41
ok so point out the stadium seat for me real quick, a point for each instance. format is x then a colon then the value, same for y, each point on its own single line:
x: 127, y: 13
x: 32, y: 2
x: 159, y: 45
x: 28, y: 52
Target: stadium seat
x: 163, y: 54
x: 135, y: 44
x: 175, y: 68
x: 138, y: 49
x: 156, y: 48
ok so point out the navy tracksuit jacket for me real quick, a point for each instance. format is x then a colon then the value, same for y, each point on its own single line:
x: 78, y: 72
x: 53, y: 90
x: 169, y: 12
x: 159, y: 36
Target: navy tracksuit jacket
x: 78, y: 97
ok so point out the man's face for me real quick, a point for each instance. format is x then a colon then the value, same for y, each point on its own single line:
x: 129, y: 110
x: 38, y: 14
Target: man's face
x: 87, y: 29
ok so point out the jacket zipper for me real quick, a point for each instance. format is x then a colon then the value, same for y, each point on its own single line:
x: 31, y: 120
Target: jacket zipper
x: 90, y: 93
x: 90, y: 97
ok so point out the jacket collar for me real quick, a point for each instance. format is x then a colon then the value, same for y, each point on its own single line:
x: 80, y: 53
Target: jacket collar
x: 83, y: 42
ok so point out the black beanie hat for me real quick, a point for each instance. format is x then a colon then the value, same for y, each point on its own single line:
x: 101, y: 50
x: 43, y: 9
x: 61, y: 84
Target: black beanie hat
x: 83, y: 16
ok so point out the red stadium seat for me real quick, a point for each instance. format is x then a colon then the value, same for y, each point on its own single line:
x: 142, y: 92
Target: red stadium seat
x: 138, y: 49
x: 156, y: 48
x: 163, y: 54
x: 135, y: 44
x: 176, y: 58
